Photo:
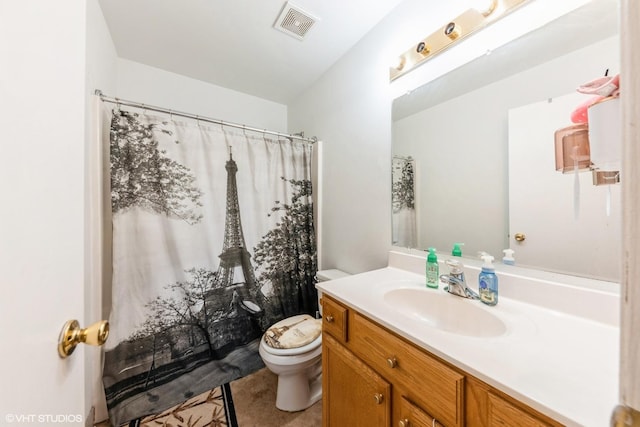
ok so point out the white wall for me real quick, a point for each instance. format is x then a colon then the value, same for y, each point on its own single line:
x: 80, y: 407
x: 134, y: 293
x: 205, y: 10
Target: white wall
x: 153, y: 86
x: 349, y: 108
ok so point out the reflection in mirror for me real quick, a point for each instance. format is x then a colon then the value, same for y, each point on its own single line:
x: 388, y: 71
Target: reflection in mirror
x: 403, y: 201
x: 576, y: 220
x: 456, y: 130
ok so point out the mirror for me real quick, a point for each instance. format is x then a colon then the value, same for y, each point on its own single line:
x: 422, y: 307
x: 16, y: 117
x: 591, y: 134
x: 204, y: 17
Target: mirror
x: 455, y: 130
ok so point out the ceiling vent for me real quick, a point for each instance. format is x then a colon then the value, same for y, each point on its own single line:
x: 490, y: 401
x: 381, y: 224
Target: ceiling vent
x: 294, y: 21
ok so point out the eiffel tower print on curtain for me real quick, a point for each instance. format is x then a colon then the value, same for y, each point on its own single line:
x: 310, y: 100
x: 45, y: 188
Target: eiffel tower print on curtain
x: 235, y: 272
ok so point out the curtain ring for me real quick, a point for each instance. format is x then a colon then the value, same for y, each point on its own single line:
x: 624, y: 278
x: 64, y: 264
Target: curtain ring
x: 198, y: 120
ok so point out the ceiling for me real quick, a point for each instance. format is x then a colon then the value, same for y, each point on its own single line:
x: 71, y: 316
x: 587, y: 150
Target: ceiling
x: 232, y: 43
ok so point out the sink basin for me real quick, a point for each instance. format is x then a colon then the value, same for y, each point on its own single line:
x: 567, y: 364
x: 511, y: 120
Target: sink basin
x: 446, y: 312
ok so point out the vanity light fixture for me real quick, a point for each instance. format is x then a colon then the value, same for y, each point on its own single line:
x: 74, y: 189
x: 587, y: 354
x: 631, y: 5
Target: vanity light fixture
x: 462, y: 26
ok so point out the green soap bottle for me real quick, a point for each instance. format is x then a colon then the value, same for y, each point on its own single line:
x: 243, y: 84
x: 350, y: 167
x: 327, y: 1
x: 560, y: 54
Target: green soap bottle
x: 433, y: 276
x: 456, y: 249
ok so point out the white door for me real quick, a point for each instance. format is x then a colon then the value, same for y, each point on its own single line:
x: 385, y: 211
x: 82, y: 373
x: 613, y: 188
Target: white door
x: 569, y: 226
x: 630, y: 310
x: 45, y: 269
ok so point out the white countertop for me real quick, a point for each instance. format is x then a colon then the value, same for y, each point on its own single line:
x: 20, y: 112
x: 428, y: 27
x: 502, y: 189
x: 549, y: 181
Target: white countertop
x: 563, y: 365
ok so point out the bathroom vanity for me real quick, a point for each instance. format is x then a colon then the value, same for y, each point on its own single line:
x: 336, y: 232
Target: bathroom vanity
x: 395, y: 380
x: 389, y: 362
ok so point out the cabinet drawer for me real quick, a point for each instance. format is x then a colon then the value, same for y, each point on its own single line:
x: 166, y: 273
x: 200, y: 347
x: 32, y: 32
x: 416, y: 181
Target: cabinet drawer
x: 412, y: 416
x: 334, y: 318
x: 428, y: 382
x: 503, y: 413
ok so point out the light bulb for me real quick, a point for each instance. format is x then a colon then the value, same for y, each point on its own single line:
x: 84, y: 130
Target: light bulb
x: 398, y: 63
x: 486, y: 7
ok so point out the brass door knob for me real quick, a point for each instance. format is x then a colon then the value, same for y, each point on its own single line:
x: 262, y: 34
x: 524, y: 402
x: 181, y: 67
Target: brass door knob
x: 404, y: 423
x: 329, y: 318
x: 392, y: 362
x: 379, y: 398
x: 520, y: 237
x: 72, y: 335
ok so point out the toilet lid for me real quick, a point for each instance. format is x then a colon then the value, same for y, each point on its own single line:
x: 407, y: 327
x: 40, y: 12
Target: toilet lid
x: 293, y: 332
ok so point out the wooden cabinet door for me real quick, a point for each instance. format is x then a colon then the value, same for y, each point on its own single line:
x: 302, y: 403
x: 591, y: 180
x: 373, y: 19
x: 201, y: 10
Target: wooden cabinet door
x: 353, y: 394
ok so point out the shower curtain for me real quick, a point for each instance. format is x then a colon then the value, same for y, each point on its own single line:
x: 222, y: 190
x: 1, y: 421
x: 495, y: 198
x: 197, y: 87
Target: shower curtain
x: 213, y: 242
x: 404, y: 231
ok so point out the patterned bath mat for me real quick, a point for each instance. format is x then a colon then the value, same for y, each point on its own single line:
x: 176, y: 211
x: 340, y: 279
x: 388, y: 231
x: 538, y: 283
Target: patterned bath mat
x: 213, y: 408
x: 254, y: 397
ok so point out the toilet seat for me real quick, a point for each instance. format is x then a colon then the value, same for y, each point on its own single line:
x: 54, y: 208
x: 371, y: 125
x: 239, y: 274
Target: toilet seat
x: 293, y: 335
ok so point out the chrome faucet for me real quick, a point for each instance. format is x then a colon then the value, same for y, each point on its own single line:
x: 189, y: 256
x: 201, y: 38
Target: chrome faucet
x: 456, y: 284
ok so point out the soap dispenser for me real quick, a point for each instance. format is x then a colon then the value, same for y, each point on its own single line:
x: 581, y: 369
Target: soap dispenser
x: 508, y: 257
x: 488, y: 281
x: 456, y: 251
x: 432, y: 270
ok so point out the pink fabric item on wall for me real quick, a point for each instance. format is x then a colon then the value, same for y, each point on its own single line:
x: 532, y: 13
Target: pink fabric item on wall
x: 603, y: 86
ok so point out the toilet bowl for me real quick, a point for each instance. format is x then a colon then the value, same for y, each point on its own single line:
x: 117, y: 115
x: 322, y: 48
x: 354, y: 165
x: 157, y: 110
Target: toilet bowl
x: 292, y: 350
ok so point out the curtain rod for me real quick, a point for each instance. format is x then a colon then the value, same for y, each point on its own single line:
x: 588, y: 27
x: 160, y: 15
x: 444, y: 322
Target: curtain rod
x: 119, y: 101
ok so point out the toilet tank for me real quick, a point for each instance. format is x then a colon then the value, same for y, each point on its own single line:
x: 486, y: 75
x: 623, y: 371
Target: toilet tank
x: 324, y: 276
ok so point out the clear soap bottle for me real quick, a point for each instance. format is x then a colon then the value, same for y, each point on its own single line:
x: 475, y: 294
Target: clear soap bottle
x: 432, y: 270
x: 488, y: 281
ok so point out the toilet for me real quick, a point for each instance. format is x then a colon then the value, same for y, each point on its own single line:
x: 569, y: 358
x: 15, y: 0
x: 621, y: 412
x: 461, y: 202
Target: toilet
x: 292, y: 349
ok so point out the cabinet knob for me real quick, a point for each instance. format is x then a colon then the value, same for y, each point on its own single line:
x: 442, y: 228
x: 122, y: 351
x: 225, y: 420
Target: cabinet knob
x: 329, y: 318
x: 404, y: 423
x: 392, y: 362
x: 379, y: 398
x: 520, y: 237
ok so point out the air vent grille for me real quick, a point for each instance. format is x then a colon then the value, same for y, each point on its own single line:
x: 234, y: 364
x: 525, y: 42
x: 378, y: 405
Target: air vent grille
x: 294, y: 21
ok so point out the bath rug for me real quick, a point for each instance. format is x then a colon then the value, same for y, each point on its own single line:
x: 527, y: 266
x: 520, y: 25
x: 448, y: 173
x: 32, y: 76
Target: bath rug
x: 213, y: 408
x: 254, y: 397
